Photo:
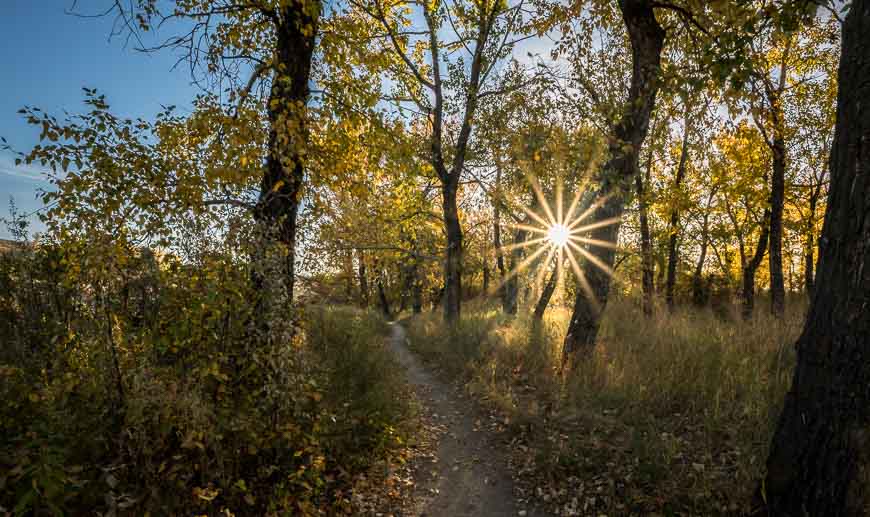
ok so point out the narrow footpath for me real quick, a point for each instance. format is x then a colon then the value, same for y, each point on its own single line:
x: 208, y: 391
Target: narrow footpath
x: 467, y: 475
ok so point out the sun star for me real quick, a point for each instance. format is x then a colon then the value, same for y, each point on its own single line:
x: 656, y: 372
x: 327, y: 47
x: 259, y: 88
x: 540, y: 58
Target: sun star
x: 561, y: 234
x: 558, y: 235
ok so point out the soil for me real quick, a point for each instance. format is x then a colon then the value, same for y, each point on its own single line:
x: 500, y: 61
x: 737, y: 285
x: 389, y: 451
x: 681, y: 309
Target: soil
x: 466, y: 473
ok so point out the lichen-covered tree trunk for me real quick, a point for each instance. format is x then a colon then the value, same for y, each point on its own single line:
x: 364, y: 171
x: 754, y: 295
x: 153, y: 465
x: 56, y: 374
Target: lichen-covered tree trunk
x: 280, y: 189
x: 647, y: 39
x: 819, y: 461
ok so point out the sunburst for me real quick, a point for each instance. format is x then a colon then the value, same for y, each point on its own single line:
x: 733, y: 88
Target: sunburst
x: 559, y: 234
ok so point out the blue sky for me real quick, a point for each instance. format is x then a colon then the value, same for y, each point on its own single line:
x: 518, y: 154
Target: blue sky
x: 47, y: 56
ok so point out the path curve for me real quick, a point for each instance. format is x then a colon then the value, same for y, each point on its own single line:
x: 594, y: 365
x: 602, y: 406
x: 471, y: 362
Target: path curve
x: 468, y: 476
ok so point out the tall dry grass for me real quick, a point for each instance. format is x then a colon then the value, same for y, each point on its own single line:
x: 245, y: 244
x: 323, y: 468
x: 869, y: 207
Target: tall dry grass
x: 689, y: 389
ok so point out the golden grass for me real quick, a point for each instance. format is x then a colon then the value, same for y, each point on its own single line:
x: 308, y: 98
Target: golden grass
x: 688, y: 391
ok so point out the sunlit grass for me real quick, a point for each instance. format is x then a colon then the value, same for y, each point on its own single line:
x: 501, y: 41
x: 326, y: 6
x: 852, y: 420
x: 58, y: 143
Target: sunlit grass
x: 686, y: 391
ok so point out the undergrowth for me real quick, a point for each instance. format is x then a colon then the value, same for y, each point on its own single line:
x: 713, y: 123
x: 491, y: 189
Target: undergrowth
x: 146, y: 392
x: 672, y: 414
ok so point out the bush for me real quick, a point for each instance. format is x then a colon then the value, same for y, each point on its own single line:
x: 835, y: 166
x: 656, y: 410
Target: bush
x: 148, y: 391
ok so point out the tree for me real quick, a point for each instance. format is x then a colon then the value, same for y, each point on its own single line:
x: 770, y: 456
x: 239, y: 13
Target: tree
x: 275, y: 40
x: 819, y: 460
x: 647, y: 40
x: 483, y: 30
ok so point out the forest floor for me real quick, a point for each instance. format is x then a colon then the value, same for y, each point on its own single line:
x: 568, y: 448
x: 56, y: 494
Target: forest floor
x: 462, y: 468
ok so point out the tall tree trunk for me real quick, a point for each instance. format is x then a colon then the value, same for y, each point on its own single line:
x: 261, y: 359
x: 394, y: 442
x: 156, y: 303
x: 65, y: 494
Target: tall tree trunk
x: 777, y: 199
x: 809, y: 263
x: 646, y: 258
x: 348, y: 274
x: 511, y: 285
x: 496, y: 240
x: 363, y: 280
x: 750, y: 267
x: 546, y: 294
x: 416, y: 287
x: 647, y: 39
x: 407, y: 285
x: 382, y: 296
x: 809, y: 251
x: 674, y: 227
x: 698, y: 291
x: 453, y: 260
x: 485, y: 275
x: 278, y: 205
x: 819, y: 461
x: 777, y: 145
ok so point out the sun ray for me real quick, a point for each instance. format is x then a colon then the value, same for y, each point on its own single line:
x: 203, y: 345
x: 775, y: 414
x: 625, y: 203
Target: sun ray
x: 535, y: 216
x: 597, y: 224
x: 522, y: 265
x: 539, y: 277
x: 536, y: 187
x: 558, y: 235
x: 584, y: 283
x: 525, y: 244
x: 592, y: 208
x: 581, y: 189
x: 594, y: 242
x: 592, y: 258
x: 529, y: 228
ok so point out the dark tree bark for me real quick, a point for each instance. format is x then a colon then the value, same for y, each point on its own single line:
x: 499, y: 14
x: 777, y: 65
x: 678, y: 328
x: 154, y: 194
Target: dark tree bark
x: 296, y: 25
x: 382, y: 297
x: 647, y: 39
x: 699, y: 296
x: 674, y: 227
x: 348, y: 274
x: 363, y: 280
x: 453, y: 261
x: 546, y: 294
x: 819, y: 461
x: 511, y: 285
x: 777, y: 200
x: 747, y: 293
x: 485, y: 275
x: 416, y: 287
x: 810, y: 248
x: 496, y: 239
x: 776, y: 143
x: 646, y: 258
x: 449, y: 177
x: 809, y: 264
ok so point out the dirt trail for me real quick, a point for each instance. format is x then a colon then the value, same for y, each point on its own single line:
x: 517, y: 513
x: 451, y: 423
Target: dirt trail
x: 468, y: 475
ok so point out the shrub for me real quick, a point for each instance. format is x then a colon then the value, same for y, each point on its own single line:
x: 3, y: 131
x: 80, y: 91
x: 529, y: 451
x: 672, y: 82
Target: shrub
x: 148, y: 391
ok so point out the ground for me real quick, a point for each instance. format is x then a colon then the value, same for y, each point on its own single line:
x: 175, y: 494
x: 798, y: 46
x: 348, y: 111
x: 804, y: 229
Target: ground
x: 465, y: 471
